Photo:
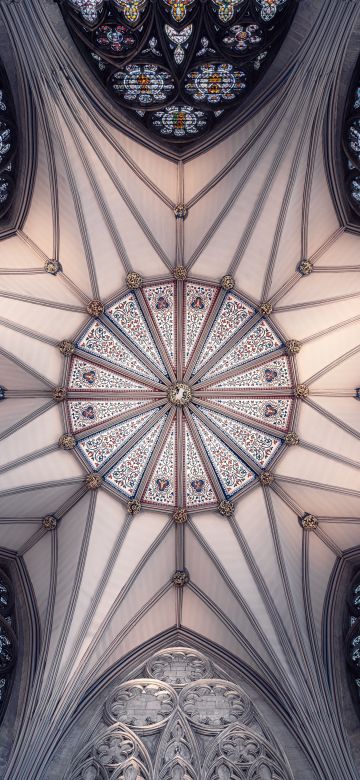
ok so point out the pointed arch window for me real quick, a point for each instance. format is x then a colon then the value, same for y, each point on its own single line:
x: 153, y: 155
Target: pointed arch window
x: 352, y: 640
x: 179, y: 721
x: 7, y: 640
x: 179, y: 66
x: 8, y: 144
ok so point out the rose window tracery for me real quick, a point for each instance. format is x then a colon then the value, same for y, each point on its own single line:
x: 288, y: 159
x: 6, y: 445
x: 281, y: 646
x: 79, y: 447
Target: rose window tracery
x: 180, y: 394
x: 191, y: 61
x: 211, y: 731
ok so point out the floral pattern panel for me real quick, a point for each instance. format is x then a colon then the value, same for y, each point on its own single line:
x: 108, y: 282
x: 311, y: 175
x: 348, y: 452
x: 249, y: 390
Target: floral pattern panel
x: 178, y: 66
x: 179, y: 394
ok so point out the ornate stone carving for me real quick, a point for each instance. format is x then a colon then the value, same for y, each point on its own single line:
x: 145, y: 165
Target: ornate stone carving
x: 293, y: 347
x: 226, y: 508
x: 207, y: 729
x: 133, y: 280
x: 180, y: 211
x: 179, y: 394
x: 93, y: 481
x: 52, y: 267
x: 143, y: 705
x: 180, y: 578
x: 180, y: 516
x: 266, y: 309
x: 67, y: 442
x: 292, y: 438
x: 228, y: 282
x: 66, y: 347
x: 305, y: 267
x: 179, y: 666
x: 133, y: 506
x: 59, y: 393
x: 243, y: 754
x: 301, y: 391
x: 177, y: 755
x: 95, y: 308
x: 266, y: 478
x: 309, y: 522
x: 49, y: 522
x: 116, y: 753
x: 211, y: 705
x: 180, y: 273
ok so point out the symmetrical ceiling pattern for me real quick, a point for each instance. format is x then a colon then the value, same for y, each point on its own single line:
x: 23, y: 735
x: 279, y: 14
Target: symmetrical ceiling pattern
x: 184, y: 408
x: 178, y: 65
x: 258, y: 208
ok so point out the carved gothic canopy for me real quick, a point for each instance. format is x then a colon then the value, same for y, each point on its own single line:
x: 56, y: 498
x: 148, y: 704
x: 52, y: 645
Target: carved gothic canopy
x: 179, y: 65
x: 7, y: 146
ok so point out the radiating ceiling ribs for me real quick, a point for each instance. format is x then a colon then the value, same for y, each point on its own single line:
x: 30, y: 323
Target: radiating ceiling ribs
x: 27, y: 419
x: 313, y: 109
x: 332, y: 417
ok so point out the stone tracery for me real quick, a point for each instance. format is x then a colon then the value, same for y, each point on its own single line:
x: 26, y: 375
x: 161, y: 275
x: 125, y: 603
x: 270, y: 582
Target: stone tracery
x: 178, y: 65
x: 207, y: 746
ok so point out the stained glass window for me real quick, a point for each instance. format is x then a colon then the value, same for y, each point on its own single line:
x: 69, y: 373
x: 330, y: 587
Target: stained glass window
x: 351, y: 144
x: 192, y: 61
x: 179, y: 419
x: 7, y: 639
x: 352, y: 639
x: 7, y: 146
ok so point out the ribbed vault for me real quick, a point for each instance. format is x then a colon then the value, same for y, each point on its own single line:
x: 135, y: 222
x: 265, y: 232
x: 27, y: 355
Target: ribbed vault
x: 258, y: 208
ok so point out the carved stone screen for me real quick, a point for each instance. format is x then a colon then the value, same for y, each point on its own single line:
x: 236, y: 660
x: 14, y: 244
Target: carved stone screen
x: 180, y: 721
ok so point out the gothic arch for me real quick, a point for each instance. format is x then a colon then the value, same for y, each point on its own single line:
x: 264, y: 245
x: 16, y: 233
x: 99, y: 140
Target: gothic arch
x: 206, y: 729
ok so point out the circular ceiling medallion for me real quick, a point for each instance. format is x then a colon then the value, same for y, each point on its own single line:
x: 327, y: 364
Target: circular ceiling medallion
x: 180, y: 394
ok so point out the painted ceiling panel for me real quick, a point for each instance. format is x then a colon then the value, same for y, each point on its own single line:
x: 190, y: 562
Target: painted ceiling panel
x: 249, y: 209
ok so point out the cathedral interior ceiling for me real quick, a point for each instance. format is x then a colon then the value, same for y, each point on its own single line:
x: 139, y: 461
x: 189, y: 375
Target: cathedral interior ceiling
x: 179, y: 364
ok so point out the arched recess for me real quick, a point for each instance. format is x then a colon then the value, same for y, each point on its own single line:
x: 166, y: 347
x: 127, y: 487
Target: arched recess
x: 179, y: 721
x: 22, y: 629
x: 257, y: 709
x: 18, y: 123
x: 337, y: 644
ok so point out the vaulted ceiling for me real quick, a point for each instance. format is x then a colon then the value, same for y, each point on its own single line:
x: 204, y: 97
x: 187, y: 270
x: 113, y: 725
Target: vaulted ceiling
x: 259, y: 201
